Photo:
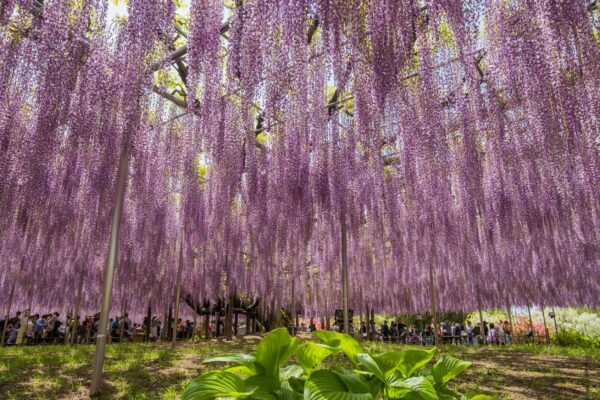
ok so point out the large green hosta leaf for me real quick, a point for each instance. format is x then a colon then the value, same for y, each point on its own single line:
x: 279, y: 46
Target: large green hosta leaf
x: 264, y: 387
x: 310, y: 355
x: 387, y: 361
x: 447, y: 368
x: 244, y: 363
x: 328, y: 385
x: 297, y: 384
x: 346, y: 343
x: 274, y: 350
x: 216, y: 384
x: 291, y: 371
x: 236, y: 358
x: 370, y: 365
x: 418, y: 387
x: 412, y: 360
x: 477, y: 397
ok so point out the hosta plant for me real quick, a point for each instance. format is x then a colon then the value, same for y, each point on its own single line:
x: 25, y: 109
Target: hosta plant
x: 387, y: 375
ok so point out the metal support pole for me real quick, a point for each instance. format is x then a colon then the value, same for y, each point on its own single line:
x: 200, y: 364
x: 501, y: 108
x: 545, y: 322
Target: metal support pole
x: 510, y: 321
x: 373, y: 331
x: 164, y: 330
x: 236, y: 321
x: 480, y: 307
x: 277, y: 313
x: 436, y: 329
x: 229, y: 318
x: 555, y: 325
x: 9, y: 305
x: 177, y: 295
x: 530, y: 321
x: 293, y: 309
x: 149, y: 322
x: 207, y: 324
x: 109, y: 272
x: 345, y: 273
x: 369, y: 332
x: 77, y: 304
x: 194, y: 321
x: 8, y: 309
x: 546, y: 332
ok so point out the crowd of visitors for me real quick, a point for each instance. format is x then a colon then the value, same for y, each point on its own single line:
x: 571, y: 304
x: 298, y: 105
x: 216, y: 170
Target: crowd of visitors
x: 449, y: 333
x: 27, y: 328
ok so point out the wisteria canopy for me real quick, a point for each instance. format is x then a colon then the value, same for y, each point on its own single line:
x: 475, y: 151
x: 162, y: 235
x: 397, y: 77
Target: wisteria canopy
x: 457, y: 140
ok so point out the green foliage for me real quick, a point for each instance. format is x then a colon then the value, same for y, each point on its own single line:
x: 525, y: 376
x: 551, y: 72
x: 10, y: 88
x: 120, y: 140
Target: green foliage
x: 388, y: 375
x: 217, y: 384
x: 325, y: 384
x: 347, y: 344
x: 274, y: 350
x: 310, y: 355
x: 574, y: 338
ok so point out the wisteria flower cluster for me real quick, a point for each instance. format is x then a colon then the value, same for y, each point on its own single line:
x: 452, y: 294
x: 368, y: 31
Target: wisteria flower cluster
x: 457, y: 141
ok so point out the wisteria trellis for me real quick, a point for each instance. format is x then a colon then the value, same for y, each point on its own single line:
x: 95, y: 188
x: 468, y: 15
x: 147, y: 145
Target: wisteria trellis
x: 461, y: 135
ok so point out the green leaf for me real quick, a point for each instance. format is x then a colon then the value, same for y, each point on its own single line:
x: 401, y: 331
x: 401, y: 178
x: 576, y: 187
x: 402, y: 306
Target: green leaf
x: 216, y: 384
x: 297, y: 384
x: 354, y: 382
x: 274, y: 350
x: 245, y: 363
x: 368, y: 363
x: 417, y: 385
x: 328, y: 385
x: 412, y: 360
x: 291, y: 371
x: 346, y: 343
x: 375, y: 387
x: 240, y: 370
x: 265, y: 387
x: 310, y: 355
x: 447, y: 368
x: 286, y: 393
x: 477, y: 397
x: 444, y: 392
x: 387, y: 361
x: 235, y: 358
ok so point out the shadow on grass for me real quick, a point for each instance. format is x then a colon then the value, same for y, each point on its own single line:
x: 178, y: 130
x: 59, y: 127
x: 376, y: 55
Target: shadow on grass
x: 155, y: 371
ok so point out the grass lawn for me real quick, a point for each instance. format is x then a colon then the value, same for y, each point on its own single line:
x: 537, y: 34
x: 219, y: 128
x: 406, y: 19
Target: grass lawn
x: 155, y: 371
